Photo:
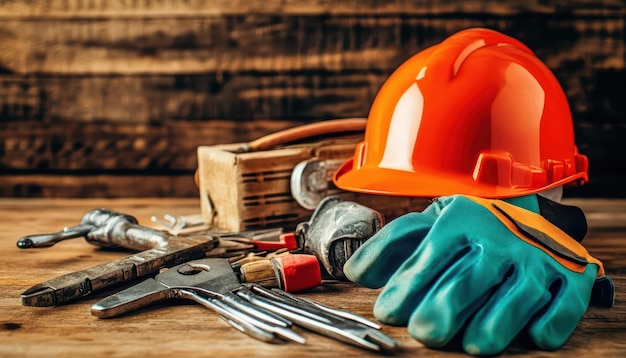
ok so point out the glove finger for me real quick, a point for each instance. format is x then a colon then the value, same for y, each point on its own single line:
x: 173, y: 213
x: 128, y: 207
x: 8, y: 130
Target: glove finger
x: 454, y: 297
x: 510, y: 308
x: 380, y: 256
x: 570, y: 299
x: 445, y: 244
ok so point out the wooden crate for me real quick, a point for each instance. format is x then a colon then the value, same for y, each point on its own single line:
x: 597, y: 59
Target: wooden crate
x: 245, y: 191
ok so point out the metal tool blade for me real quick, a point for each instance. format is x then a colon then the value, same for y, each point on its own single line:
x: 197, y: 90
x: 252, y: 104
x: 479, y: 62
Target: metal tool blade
x: 316, y: 319
x: 214, y: 274
x: 67, y: 288
x: 131, y: 299
x: 341, y: 313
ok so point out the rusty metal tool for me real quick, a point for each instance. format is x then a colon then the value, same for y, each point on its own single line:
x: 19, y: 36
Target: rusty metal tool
x: 208, y: 282
x: 107, y: 228
x: 217, y: 275
x: 262, y: 314
x: 104, y: 228
x: 336, y: 229
x: 312, y: 180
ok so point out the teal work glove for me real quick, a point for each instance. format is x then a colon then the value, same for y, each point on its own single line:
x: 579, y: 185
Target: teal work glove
x: 484, y: 269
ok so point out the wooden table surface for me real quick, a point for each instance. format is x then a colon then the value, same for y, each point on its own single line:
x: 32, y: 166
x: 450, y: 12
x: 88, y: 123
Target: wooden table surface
x: 191, y: 330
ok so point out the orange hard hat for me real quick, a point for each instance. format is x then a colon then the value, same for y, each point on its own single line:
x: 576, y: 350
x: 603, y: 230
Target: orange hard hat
x: 477, y: 114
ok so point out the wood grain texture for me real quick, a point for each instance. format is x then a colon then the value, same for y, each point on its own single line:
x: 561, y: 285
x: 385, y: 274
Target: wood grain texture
x: 117, y: 8
x: 63, y: 185
x: 188, y: 329
x: 280, y: 43
x: 72, y: 69
x: 252, y: 190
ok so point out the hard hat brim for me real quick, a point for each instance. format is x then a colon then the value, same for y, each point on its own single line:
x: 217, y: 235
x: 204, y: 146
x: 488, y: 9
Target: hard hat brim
x: 383, y: 181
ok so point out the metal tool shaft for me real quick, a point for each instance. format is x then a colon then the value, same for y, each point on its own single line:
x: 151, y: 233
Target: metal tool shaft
x: 67, y: 288
x: 325, y: 321
x: 47, y: 240
x: 340, y: 313
x: 208, y: 282
x: 231, y: 316
x: 105, y: 228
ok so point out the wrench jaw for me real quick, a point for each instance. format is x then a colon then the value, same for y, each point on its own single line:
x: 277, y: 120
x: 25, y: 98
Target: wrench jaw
x: 39, y: 295
x: 73, y: 286
x: 46, y: 294
x: 336, y: 229
x: 131, y: 299
x: 266, y: 315
x: 199, y: 273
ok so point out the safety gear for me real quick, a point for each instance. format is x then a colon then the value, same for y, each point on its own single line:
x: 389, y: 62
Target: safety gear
x: 503, y: 271
x: 478, y: 114
x: 570, y: 219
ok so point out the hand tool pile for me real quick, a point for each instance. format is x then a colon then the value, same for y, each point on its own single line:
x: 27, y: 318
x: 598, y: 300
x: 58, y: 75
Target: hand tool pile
x: 244, y: 277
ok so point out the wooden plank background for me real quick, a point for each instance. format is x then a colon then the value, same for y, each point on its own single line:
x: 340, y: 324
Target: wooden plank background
x: 112, y: 98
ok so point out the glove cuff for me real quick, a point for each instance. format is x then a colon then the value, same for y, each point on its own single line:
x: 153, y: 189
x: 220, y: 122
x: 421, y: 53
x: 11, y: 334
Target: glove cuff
x: 568, y: 218
x: 539, y: 232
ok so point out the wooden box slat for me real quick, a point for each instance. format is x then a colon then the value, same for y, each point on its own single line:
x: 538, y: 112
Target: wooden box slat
x: 244, y: 191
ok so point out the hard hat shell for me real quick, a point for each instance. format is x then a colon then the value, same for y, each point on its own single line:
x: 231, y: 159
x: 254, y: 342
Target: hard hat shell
x: 477, y: 114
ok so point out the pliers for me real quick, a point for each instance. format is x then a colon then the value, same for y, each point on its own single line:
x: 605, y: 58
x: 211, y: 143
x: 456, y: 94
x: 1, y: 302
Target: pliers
x: 267, y: 315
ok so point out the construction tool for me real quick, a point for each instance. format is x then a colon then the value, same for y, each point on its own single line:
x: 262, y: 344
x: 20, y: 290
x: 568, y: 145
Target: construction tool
x: 105, y: 228
x: 312, y: 180
x: 67, y: 288
x: 108, y: 229
x: 213, y: 283
x: 336, y: 324
x: 216, y: 274
x: 336, y: 229
x: 186, y: 281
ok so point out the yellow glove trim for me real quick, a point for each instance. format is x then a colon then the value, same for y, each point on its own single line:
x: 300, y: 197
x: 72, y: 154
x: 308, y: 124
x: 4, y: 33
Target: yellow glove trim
x: 516, y: 218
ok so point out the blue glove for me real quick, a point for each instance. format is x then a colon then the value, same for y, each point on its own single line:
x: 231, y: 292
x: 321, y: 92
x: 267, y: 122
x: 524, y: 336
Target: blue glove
x: 482, y: 269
